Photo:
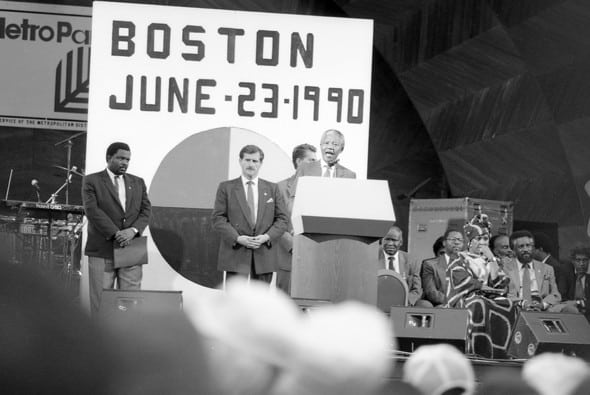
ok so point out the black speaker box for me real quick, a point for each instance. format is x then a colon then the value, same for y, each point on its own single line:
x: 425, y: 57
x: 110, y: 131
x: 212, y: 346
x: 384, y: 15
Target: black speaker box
x: 417, y: 326
x: 538, y: 332
x: 116, y: 302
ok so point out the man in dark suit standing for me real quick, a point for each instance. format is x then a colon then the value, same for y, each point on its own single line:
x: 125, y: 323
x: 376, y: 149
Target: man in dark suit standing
x: 434, y: 281
x: 331, y: 145
x: 303, y: 153
x: 249, y: 216
x: 118, y: 210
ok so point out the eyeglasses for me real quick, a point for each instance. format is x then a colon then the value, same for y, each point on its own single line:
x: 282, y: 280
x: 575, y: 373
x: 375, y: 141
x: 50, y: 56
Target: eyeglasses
x: 455, y: 239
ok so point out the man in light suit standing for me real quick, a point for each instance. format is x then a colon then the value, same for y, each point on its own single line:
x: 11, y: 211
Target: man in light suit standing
x: 391, y: 257
x: 303, y: 153
x: 532, y: 282
x: 249, y: 216
x: 331, y: 145
x: 118, y: 210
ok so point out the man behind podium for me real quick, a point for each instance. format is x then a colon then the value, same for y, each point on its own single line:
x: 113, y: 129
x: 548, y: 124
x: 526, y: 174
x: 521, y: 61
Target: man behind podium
x: 249, y: 216
x: 118, y: 210
x: 332, y: 145
x: 303, y: 153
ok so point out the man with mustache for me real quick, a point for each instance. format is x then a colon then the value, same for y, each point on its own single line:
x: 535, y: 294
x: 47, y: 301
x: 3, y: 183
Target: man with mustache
x: 118, y: 209
x: 531, y: 282
x: 331, y: 145
x: 250, y: 216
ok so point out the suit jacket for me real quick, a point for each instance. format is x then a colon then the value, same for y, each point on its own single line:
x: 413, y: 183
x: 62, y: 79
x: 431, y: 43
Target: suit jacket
x: 231, y: 218
x: 434, y: 280
x: 410, y: 269
x: 586, y: 295
x: 565, y: 277
x: 286, y: 241
x: 105, y: 213
x: 315, y: 169
x: 545, y: 281
x: 586, y: 281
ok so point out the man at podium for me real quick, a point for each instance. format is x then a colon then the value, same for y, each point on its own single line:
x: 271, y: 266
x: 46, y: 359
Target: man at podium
x: 249, y: 216
x: 331, y: 145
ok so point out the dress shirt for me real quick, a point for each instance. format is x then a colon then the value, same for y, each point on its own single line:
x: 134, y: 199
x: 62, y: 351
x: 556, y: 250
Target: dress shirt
x: 395, y: 261
x: 325, y: 166
x: 447, y: 258
x: 533, y: 277
x: 121, y: 191
x: 254, y: 190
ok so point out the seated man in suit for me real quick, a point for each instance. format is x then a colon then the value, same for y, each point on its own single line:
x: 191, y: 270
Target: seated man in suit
x: 392, y: 258
x: 249, y: 216
x: 564, y: 271
x: 331, y: 145
x: 577, y: 298
x: 531, y: 282
x: 433, y: 272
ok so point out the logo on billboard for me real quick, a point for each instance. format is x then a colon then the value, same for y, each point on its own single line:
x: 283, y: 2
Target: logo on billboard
x: 71, y: 82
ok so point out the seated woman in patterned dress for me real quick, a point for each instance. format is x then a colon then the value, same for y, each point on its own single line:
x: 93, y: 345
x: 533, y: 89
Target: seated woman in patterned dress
x: 476, y: 282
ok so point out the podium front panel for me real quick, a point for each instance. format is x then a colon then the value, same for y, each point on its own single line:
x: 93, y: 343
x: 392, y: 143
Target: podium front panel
x: 335, y: 268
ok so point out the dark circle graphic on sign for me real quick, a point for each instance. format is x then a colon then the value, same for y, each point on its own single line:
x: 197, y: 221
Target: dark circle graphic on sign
x: 183, y: 190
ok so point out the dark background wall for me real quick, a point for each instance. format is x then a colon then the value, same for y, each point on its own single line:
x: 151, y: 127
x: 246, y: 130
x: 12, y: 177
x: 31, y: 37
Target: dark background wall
x: 478, y: 98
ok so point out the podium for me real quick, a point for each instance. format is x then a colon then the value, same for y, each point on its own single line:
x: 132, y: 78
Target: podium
x: 337, y: 224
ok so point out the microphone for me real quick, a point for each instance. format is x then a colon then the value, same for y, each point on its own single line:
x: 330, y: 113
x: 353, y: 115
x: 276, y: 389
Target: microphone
x: 35, y: 184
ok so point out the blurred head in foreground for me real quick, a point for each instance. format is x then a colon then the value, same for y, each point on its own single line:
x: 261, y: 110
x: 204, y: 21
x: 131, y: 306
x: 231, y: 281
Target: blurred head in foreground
x: 553, y: 373
x: 260, y: 343
x: 49, y: 345
x: 439, y: 369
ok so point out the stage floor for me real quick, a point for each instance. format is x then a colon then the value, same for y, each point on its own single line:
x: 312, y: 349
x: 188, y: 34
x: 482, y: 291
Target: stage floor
x: 481, y: 366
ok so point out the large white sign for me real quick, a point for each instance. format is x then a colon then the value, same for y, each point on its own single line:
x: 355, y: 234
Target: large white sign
x: 186, y: 88
x: 45, y: 65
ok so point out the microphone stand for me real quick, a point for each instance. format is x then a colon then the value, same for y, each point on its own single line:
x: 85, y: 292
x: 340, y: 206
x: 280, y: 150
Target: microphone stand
x: 53, y: 198
x: 69, y: 145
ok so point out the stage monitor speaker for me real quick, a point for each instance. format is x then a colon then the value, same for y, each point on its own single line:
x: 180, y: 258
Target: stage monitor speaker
x: 417, y: 326
x: 538, y: 332
x: 115, y: 302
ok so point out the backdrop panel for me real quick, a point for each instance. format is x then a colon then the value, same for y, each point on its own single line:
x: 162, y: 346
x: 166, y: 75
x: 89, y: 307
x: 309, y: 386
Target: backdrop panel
x: 188, y: 87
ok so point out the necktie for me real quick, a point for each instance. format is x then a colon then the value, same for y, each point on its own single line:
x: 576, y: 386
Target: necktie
x: 392, y: 264
x: 326, y: 172
x: 250, y: 198
x: 120, y: 186
x: 579, y: 293
x: 526, y: 282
